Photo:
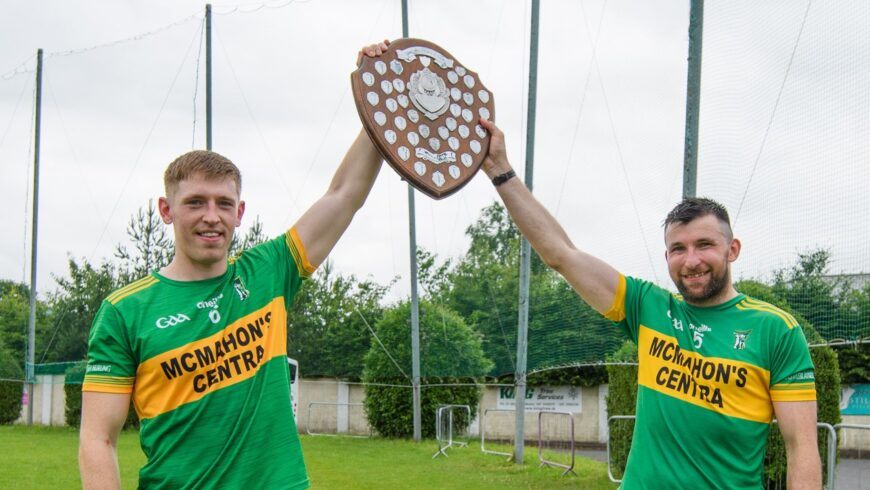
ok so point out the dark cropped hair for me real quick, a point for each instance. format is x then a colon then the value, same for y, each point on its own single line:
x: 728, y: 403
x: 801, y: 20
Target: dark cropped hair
x: 691, y: 208
x: 212, y: 165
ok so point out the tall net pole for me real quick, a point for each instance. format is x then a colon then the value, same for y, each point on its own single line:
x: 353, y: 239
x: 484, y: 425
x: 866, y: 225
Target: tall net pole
x: 30, y: 366
x: 208, y: 76
x: 693, y: 98
x: 415, y: 302
x: 525, y: 251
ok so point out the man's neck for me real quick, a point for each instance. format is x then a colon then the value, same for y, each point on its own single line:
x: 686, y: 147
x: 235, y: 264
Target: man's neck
x: 183, y: 270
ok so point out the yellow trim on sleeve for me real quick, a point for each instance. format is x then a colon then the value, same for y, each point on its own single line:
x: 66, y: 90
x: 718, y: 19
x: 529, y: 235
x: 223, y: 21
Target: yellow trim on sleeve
x: 797, y: 392
x: 108, y: 384
x: 754, y: 304
x: 297, y: 250
x: 617, y: 309
x: 131, y: 288
x: 98, y: 388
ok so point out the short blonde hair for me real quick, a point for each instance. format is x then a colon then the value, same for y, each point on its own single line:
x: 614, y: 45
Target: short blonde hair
x: 210, y: 164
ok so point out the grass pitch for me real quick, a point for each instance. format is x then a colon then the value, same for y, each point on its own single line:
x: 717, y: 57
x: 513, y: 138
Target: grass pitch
x: 47, y: 457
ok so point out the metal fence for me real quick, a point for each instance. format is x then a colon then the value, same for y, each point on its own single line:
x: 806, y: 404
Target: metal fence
x: 444, y: 434
x: 569, y: 468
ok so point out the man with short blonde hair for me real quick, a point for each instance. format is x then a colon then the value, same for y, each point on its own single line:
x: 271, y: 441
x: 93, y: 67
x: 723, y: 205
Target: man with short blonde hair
x: 200, y: 345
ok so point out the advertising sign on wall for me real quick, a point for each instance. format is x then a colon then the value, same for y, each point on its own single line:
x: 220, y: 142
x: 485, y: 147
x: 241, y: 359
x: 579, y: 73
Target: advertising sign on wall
x: 855, y: 400
x: 544, y: 399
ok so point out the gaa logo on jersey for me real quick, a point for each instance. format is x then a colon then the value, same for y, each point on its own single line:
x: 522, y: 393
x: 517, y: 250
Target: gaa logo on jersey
x: 171, y: 320
x: 740, y: 337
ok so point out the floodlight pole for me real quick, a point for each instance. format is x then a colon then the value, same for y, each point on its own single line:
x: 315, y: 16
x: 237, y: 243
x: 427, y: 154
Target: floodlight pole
x: 415, y: 303
x: 208, y: 76
x: 30, y: 366
x: 693, y: 98
x: 525, y: 248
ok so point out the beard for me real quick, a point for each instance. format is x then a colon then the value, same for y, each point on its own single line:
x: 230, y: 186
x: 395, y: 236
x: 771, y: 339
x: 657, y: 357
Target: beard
x: 714, y: 287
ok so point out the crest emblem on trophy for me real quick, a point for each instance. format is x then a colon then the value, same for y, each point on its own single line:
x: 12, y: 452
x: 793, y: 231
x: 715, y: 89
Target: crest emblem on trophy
x: 421, y: 108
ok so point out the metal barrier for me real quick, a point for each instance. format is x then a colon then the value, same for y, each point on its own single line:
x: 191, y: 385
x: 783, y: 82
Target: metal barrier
x: 544, y: 462
x: 483, y: 431
x: 830, y: 459
x: 837, y: 427
x: 441, y: 424
x: 332, y: 404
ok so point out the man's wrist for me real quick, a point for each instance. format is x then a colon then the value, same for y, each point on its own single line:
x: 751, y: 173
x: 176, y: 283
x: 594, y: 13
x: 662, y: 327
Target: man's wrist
x: 503, y: 177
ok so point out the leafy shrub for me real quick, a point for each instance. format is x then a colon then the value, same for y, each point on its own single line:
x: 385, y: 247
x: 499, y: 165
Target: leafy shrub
x: 10, y: 390
x: 73, y: 390
x: 622, y: 400
x: 449, y: 353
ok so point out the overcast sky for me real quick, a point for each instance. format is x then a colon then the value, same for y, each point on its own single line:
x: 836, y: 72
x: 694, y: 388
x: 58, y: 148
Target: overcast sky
x: 784, y: 133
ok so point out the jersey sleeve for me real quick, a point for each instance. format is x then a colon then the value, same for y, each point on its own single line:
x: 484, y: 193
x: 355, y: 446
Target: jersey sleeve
x: 297, y: 251
x: 792, y: 376
x: 626, y: 306
x: 281, y: 262
x: 111, y: 364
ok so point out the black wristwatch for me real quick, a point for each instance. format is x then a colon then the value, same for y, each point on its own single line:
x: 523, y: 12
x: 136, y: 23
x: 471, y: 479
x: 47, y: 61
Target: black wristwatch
x: 502, y: 178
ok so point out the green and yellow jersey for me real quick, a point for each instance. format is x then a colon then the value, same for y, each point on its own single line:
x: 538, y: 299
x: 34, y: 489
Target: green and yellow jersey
x: 206, y: 364
x: 707, y: 380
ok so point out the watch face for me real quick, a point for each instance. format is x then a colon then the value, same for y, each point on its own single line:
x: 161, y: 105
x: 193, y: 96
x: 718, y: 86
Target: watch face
x: 418, y: 105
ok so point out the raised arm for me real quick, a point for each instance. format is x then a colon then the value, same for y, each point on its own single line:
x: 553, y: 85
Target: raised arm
x: 797, y: 422
x: 593, y: 279
x: 103, y: 416
x: 322, y: 225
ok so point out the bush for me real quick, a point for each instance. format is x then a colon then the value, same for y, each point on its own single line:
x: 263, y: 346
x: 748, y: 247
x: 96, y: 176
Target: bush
x: 581, y: 376
x: 622, y: 400
x: 73, y: 389
x: 854, y: 363
x: 10, y: 390
x: 450, y: 352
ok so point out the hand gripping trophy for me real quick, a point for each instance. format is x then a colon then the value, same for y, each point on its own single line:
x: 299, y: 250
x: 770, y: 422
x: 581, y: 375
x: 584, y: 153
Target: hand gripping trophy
x: 421, y: 108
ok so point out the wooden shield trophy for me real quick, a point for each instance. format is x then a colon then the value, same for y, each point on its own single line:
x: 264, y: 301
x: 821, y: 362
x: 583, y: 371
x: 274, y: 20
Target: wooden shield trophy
x: 421, y: 108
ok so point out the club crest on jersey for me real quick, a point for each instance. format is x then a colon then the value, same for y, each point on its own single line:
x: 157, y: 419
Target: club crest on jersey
x: 740, y: 337
x: 239, y: 286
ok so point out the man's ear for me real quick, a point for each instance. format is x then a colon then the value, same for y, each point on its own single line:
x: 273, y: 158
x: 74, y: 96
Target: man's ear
x: 165, y: 211
x: 240, y: 213
x: 734, y: 250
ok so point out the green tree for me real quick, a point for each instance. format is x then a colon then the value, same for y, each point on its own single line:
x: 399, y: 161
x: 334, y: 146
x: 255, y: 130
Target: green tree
x: 449, y: 352
x: 252, y: 237
x: 14, y: 317
x: 484, y: 289
x: 327, y: 328
x: 855, y: 359
x: 854, y: 363
x: 73, y: 307
x: 433, y: 277
x: 153, y: 248
x: 11, y: 375
x: 833, y: 306
x: 819, y: 297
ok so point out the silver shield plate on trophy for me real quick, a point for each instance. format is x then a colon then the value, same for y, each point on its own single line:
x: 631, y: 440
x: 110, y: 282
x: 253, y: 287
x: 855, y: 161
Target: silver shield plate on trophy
x: 418, y: 105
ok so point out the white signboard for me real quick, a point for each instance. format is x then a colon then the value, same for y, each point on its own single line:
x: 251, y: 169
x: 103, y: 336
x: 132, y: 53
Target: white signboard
x: 544, y: 399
